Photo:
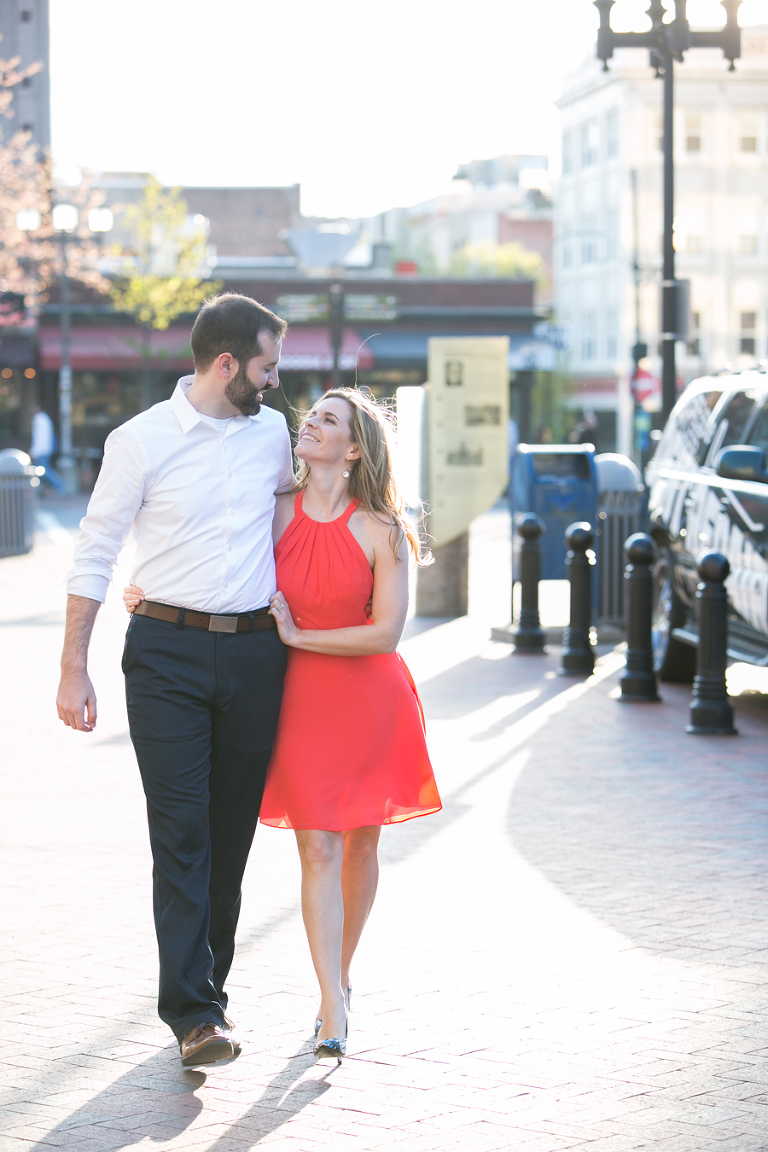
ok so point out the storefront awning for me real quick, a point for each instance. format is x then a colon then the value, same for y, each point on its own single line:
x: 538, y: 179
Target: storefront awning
x: 115, y: 349
x: 408, y: 349
x: 308, y: 349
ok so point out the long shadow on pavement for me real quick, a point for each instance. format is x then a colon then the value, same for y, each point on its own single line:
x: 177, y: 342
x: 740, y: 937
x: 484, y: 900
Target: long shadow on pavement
x: 157, y: 1101
x: 658, y: 834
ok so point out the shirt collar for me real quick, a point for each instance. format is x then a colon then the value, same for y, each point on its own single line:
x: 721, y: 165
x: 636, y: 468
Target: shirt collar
x: 188, y: 416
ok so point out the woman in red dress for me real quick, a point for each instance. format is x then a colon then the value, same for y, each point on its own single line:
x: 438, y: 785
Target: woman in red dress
x: 350, y: 753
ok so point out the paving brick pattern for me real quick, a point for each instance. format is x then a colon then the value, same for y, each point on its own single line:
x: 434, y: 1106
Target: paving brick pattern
x: 571, y: 955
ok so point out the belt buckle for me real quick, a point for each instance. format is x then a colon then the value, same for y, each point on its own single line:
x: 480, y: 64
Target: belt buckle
x: 222, y: 624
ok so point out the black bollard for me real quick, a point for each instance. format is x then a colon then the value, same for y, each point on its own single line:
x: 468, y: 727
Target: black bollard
x: 638, y: 682
x: 578, y: 651
x: 711, y: 711
x: 529, y: 636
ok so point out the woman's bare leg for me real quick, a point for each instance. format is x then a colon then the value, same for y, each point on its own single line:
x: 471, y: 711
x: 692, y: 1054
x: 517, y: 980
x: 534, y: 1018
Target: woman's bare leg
x: 322, y: 906
x: 359, y: 879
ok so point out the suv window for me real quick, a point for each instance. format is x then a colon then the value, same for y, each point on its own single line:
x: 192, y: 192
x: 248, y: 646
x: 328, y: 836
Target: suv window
x: 758, y: 437
x: 737, y: 416
x: 685, y: 431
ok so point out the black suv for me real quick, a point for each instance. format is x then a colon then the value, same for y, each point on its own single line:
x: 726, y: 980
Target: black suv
x: 709, y: 492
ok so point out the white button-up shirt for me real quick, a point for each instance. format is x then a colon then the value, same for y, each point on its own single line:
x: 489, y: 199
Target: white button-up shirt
x: 200, y: 504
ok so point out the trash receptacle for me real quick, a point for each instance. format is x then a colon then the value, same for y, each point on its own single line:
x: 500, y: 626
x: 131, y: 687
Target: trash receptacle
x: 19, y: 487
x: 622, y: 504
x: 557, y: 482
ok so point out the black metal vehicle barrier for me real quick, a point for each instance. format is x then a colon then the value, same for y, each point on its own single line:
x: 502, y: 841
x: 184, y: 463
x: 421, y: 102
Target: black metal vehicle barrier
x: 528, y: 635
x: 578, y: 650
x: 638, y: 681
x: 711, y: 711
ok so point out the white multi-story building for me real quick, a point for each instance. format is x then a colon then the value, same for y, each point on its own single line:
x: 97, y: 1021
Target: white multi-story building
x: 612, y: 130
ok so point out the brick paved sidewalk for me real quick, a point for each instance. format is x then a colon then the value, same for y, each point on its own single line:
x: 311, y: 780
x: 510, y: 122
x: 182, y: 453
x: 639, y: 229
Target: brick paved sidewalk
x: 571, y: 955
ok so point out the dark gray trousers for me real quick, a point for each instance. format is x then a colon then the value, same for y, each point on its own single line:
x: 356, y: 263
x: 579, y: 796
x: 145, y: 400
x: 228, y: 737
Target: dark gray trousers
x: 202, y: 710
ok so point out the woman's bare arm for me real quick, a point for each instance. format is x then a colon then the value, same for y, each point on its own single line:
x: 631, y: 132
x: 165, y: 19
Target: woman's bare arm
x: 283, y: 514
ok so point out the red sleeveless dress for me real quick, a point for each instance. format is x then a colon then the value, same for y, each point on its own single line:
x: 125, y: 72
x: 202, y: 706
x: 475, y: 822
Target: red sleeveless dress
x: 350, y: 748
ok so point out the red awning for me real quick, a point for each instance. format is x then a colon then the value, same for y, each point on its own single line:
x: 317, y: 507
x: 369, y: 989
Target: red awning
x: 114, y: 348
x: 106, y: 349
x: 309, y: 350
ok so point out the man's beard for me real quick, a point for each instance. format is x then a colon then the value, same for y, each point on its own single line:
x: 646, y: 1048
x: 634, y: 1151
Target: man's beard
x: 243, y: 394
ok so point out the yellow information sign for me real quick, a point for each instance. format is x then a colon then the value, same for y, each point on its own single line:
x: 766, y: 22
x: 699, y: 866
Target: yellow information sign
x: 468, y: 410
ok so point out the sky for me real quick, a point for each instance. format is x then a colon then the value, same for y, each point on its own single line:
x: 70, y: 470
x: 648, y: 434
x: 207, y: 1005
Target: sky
x: 368, y: 105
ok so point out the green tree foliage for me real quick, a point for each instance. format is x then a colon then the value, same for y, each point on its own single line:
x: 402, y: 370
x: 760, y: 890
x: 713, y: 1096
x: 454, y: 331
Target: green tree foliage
x: 499, y: 261
x: 160, y: 275
x: 160, y: 278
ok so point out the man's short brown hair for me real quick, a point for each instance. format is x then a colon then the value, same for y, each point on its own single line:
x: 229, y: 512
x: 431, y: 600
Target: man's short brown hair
x: 232, y: 323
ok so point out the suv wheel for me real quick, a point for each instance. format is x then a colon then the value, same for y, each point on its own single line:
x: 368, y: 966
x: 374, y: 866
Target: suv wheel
x: 672, y: 659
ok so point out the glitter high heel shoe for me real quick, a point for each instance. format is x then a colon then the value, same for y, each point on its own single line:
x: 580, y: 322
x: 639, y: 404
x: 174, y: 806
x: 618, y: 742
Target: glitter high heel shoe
x: 348, y: 998
x: 332, y: 1049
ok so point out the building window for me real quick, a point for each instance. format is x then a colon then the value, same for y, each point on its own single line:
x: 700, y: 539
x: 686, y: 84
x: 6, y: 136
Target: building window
x: 748, y: 132
x: 589, y: 143
x: 567, y: 256
x: 612, y: 134
x: 26, y: 127
x: 589, y: 240
x: 694, y: 345
x: 693, y: 132
x: 612, y: 234
x: 692, y: 245
x: 588, y: 336
x: 748, y: 245
x: 26, y: 82
x: 567, y: 153
x: 26, y: 16
x: 748, y: 342
x: 611, y: 333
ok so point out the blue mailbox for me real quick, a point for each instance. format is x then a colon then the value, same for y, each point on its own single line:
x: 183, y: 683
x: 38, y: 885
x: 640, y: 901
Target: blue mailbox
x: 559, y: 483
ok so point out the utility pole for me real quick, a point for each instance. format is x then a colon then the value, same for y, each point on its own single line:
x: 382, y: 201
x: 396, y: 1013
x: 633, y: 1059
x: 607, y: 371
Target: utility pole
x: 667, y: 42
x: 337, y: 330
x: 639, y: 348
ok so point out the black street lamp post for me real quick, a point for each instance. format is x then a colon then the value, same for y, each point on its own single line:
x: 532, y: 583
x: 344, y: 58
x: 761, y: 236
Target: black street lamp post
x: 667, y: 42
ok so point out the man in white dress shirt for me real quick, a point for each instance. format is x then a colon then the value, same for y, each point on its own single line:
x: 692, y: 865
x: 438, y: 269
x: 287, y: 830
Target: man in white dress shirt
x: 194, y: 479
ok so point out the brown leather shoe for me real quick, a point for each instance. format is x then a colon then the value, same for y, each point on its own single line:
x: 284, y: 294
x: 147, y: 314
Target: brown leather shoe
x: 230, y: 1031
x: 204, y: 1044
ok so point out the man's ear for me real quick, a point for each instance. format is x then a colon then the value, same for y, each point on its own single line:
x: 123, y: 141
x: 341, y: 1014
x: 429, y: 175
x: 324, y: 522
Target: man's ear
x: 227, y: 365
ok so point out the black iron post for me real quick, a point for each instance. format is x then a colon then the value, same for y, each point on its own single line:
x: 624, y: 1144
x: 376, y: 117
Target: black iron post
x: 711, y: 711
x: 337, y: 329
x: 578, y: 650
x: 638, y: 681
x: 669, y: 319
x: 667, y: 42
x: 529, y: 636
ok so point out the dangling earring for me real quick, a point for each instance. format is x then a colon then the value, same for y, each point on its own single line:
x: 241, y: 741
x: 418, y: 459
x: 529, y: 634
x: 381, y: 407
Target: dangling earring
x: 345, y: 474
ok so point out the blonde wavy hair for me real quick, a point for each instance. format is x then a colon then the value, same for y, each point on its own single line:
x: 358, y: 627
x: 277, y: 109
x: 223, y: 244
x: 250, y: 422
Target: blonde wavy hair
x: 373, y: 481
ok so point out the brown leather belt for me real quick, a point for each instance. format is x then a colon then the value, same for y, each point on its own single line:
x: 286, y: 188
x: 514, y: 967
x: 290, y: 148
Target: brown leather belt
x: 188, y: 618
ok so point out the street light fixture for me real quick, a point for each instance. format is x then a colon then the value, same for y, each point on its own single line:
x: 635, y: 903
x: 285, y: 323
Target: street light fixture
x: 667, y: 43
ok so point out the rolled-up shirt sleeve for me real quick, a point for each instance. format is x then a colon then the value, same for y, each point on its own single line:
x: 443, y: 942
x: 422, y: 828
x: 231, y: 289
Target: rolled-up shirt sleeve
x: 112, y: 509
x: 287, y: 478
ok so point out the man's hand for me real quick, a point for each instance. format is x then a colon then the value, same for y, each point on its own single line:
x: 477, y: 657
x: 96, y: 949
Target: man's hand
x: 76, y: 701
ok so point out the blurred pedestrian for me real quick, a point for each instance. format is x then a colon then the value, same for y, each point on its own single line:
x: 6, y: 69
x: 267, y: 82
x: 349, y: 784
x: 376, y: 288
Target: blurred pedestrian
x: 43, y: 446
